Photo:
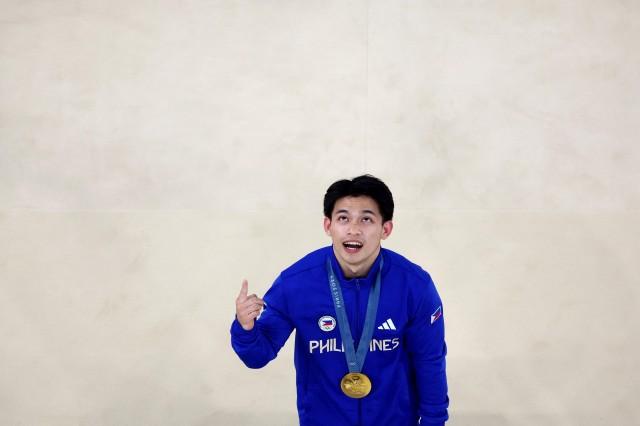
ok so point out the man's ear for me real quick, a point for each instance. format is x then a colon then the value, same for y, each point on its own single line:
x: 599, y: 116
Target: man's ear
x: 387, y: 227
x: 326, y: 225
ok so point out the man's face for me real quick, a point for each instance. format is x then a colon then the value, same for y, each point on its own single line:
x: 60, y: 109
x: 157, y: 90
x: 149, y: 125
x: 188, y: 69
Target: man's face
x: 356, y: 228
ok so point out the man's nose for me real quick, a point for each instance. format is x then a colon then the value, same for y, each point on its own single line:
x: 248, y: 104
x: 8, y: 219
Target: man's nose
x: 353, y: 229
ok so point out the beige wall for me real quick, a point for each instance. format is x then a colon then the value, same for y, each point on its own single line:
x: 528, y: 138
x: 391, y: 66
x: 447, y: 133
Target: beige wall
x: 152, y: 154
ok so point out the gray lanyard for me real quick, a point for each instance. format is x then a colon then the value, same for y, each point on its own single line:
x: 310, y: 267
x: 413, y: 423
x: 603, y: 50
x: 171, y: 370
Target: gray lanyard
x: 355, y: 360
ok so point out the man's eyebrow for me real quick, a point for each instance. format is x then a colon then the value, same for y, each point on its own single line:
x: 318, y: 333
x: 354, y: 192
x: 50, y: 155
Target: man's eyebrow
x: 365, y: 211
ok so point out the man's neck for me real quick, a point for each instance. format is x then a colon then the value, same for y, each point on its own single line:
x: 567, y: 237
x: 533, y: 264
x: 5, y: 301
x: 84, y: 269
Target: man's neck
x: 357, y: 271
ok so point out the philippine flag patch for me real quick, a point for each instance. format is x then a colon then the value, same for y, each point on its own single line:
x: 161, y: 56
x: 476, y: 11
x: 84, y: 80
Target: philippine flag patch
x: 327, y: 323
x: 437, y: 314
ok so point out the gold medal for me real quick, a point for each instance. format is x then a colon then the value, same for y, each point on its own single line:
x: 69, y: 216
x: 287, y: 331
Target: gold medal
x: 355, y: 385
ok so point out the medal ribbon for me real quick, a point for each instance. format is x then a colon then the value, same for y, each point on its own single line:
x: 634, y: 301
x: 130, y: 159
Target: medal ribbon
x: 355, y: 360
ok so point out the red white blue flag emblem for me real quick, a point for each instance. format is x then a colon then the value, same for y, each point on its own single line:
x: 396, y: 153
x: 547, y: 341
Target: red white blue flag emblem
x: 437, y: 314
x: 327, y: 323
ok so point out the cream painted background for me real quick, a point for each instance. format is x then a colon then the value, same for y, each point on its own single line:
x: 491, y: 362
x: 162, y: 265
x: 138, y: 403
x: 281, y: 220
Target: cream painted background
x: 154, y: 153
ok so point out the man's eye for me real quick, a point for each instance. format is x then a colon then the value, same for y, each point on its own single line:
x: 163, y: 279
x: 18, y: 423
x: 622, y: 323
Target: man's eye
x: 366, y: 219
x: 342, y: 218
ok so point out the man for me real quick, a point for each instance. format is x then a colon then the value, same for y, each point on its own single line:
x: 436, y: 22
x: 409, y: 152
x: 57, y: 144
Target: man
x: 369, y: 347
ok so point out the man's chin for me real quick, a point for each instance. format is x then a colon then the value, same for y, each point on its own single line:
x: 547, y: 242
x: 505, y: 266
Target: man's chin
x: 354, y: 261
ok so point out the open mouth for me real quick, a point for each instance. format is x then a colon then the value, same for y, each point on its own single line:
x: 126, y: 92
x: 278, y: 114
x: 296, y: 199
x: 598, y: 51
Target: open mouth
x: 352, y: 246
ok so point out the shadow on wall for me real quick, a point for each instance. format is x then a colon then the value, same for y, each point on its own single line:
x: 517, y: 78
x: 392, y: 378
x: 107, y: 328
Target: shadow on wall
x: 250, y: 419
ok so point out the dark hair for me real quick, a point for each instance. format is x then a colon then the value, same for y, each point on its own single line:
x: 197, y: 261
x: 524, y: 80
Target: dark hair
x: 365, y: 185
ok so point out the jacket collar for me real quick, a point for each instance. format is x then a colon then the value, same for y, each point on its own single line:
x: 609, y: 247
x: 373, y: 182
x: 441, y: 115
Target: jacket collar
x: 369, y: 279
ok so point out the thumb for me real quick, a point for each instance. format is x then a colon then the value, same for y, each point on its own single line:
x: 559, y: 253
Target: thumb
x: 244, y: 290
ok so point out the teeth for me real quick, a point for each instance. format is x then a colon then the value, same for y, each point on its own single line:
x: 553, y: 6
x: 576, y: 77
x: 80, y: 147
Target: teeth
x: 353, y: 244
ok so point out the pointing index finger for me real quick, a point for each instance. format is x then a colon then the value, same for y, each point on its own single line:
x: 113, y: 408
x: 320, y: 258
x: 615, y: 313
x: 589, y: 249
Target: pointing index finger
x: 244, y: 289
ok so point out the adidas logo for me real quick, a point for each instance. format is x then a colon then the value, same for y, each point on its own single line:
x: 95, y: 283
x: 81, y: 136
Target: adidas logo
x: 387, y: 325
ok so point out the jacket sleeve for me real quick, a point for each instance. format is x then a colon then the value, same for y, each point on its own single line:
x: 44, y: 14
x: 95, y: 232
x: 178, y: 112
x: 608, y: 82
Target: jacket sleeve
x: 261, y: 344
x: 425, y: 341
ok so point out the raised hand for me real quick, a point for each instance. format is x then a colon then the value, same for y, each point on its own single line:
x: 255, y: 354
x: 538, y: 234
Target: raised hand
x: 247, y: 307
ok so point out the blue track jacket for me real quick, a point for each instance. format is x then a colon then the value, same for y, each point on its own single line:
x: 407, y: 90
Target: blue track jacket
x: 406, y: 358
